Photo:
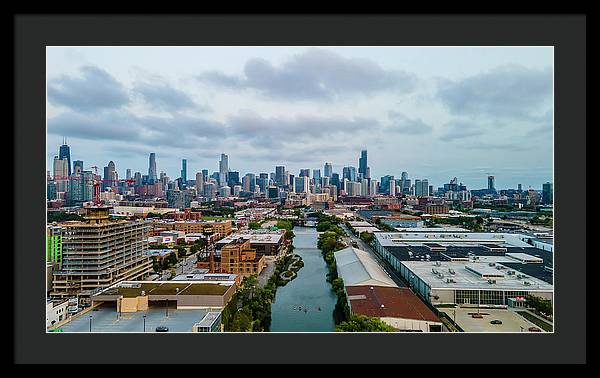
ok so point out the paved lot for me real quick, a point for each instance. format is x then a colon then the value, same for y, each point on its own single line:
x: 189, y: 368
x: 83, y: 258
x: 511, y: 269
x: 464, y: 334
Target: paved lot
x: 511, y: 322
x: 105, y: 320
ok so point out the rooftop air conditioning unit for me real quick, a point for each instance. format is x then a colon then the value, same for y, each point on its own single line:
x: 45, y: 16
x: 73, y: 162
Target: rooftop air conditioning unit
x: 491, y: 281
x: 526, y: 283
x: 492, y: 264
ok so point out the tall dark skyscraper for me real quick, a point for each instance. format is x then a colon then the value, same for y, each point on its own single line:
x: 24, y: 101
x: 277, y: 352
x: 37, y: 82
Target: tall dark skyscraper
x: 64, y: 152
x: 362, y: 164
x: 491, y: 183
x: 349, y: 173
x: 184, y: 171
x: 279, y: 175
x: 328, y: 170
x: 305, y: 172
x: 152, y: 177
x: 233, y: 178
x: 335, y: 180
x: 547, y: 193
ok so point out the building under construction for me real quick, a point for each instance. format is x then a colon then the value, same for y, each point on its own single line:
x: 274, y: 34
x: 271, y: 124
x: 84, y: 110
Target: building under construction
x: 99, y: 251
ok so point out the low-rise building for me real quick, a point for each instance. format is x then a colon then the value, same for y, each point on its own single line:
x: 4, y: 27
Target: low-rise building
x: 370, y: 291
x: 56, y: 311
x: 395, y: 306
x: 264, y: 241
x: 134, y: 296
x: 238, y: 257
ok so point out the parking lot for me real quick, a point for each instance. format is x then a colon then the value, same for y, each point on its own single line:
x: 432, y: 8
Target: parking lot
x: 511, y: 322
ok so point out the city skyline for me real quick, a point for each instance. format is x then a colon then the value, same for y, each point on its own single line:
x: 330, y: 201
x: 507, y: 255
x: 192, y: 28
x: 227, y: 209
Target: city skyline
x: 404, y: 175
x: 436, y: 113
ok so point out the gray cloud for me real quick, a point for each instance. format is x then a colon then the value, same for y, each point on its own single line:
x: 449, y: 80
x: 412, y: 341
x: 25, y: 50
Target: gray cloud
x: 461, y: 129
x: 162, y: 96
x: 272, y: 130
x: 95, y: 90
x: 511, y: 91
x: 402, y: 124
x: 175, y: 131
x: 315, y: 74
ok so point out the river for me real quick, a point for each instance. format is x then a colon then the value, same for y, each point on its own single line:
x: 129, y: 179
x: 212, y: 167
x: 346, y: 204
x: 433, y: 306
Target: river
x: 310, y: 289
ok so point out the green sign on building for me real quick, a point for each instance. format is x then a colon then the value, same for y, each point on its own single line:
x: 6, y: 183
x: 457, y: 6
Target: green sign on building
x: 54, y: 247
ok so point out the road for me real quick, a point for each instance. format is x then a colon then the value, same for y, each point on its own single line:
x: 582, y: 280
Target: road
x: 382, y: 263
x: 267, y: 271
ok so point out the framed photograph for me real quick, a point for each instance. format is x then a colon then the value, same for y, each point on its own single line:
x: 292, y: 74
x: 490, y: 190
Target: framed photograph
x: 326, y: 192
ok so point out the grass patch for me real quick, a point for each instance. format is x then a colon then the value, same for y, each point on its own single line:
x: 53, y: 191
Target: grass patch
x: 537, y: 321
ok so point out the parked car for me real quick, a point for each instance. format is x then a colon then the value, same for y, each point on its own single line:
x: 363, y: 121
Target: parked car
x: 534, y: 329
x: 162, y: 329
x: 477, y: 316
x: 496, y: 321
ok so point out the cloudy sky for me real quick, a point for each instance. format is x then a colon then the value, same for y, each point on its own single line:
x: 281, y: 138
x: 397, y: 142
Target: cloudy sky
x: 435, y: 113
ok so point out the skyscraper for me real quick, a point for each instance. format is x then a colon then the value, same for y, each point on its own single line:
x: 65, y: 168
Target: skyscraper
x: 422, y: 188
x: 64, y: 152
x: 128, y: 174
x: 548, y: 193
x: 491, y: 183
x: 362, y: 163
x: 199, y: 183
x: 279, y: 175
x: 152, y: 177
x: 302, y: 184
x: 391, y: 183
x: 61, y: 173
x: 328, y: 170
x: 77, y: 167
x: 305, y: 172
x: 184, y: 171
x: 109, y: 175
x: 335, y: 180
x: 349, y: 173
x: 223, y: 169
x: 317, y: 175
x: 233, y: 178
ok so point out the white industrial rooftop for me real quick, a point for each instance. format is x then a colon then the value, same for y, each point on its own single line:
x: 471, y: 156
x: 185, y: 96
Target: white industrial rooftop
x: 357, y: 267
x: 391, y: 239
x: 475, y: 275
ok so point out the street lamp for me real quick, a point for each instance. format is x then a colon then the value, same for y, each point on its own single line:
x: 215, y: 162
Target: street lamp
x: 144, y: 322
x: 91, y: 323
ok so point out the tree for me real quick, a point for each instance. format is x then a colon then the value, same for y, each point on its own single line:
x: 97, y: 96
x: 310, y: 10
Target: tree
x: 285, y: 224
x: 367, y: 237
x: 242, y: 321
x: 254, y: 225
x: 361, y: 323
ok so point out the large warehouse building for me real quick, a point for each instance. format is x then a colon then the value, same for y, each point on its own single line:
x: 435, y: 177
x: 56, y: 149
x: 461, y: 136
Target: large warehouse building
x: 371, y: 292
x: 468, y: 268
